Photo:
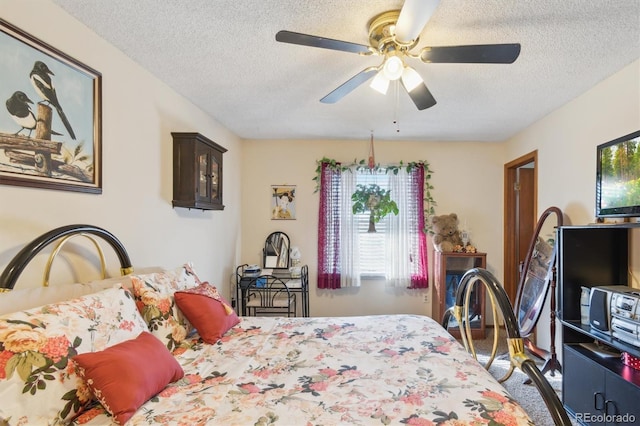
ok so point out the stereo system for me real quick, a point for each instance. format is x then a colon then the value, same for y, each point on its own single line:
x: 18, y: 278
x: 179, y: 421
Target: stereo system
x: 615, y: 311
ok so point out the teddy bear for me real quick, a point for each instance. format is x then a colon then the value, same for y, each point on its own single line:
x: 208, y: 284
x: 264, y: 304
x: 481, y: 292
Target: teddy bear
x: 446, y: 235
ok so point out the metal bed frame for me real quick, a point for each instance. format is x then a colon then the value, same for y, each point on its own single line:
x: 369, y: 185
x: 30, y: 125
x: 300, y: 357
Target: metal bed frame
x: 12, y: 272
x: 460, y: 310
x: 518, y: 357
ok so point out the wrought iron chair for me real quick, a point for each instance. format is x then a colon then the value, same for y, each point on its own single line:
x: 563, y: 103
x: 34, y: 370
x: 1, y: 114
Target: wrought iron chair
x: 269, y: 295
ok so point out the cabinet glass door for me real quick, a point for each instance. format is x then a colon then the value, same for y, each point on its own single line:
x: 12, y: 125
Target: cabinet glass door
x: 203, y: 176
x: 455, y: 268
x: 215, y: 167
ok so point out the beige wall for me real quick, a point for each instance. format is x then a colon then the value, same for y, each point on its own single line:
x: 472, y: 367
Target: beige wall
x: 467, y: 179
x: 139, y: 114
x: 566, y: 141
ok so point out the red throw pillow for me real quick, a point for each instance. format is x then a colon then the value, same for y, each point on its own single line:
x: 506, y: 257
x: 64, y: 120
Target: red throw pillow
x: 125, y: 376
x: 207, y: 311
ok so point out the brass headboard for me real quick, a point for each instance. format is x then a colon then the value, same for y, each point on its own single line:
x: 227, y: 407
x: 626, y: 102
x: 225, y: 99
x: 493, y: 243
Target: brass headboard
x: 19, y: 262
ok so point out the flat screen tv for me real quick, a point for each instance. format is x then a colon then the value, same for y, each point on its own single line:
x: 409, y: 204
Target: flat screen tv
x: 618, y: 177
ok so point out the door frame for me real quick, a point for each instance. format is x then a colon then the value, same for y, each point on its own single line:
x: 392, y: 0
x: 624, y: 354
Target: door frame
x: 511, y: 264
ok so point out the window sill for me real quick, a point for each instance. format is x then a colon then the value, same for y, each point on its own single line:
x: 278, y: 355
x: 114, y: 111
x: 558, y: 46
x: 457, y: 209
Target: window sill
x: 372, y: 277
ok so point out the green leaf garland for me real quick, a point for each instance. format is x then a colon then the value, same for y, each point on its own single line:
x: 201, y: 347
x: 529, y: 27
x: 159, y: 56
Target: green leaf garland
x: 360, y: 165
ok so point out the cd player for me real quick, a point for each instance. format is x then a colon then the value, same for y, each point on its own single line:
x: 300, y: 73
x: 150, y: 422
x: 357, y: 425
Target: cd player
x: 615, y: 311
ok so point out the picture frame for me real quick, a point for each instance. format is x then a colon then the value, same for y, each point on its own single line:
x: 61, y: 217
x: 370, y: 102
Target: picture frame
x: 51, y: 128
x: 283, y: 202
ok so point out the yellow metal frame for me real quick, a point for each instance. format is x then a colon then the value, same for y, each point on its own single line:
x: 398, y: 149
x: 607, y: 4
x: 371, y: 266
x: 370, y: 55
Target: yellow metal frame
x: 517, y: 356
x: 515, y: 345
x: 61, y: 243
x: 9, y: 276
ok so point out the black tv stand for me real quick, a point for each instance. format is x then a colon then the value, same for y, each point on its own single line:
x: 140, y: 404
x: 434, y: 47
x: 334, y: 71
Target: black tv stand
x: 595, y: 388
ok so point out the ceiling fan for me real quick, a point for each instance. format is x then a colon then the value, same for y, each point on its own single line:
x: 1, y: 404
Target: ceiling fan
x: 393, y: 35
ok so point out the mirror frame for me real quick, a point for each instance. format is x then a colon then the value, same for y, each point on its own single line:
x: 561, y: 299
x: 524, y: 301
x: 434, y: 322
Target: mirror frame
x: 541, y: 296
x: 280, y: 239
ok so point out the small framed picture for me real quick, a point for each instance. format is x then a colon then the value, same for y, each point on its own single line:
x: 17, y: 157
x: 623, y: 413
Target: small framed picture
x: 283, y: 202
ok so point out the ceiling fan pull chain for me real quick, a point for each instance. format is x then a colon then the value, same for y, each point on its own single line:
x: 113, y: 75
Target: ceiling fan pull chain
x: 396, y: 104
x: 372, y: 156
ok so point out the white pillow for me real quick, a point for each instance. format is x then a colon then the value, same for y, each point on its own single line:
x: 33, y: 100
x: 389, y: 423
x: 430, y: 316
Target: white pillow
x: 27, y: 298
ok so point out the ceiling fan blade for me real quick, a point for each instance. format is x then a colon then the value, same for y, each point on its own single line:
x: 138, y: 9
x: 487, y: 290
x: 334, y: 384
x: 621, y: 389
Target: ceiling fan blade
x: 476, y: 54
x: 322, y: 42
x: 421, y: 96
x: 413, y: 17
x: 348, y: 86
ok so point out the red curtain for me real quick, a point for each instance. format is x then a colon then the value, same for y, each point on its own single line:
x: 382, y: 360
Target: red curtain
x: 329, y: 229
x: 329, y: 266
x: 420, y: 278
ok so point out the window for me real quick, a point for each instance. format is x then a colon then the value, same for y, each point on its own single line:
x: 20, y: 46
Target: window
x: 371, y: 244
x: 347, y: 252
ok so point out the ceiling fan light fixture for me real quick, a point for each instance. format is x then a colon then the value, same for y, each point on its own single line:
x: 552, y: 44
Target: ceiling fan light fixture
x: 411, y: 79
x: 380, y: 83
x: 393, y: 67
x: 392, y: 36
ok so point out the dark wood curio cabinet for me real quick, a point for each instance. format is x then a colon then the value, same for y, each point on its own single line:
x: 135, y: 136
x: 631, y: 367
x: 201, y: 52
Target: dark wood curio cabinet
x: 448, y: 271
x: 197, y: 172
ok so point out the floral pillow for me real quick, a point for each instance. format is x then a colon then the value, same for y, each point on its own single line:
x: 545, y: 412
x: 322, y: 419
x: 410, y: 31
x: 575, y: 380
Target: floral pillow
x: 154, y: 294
x: 38, y: 383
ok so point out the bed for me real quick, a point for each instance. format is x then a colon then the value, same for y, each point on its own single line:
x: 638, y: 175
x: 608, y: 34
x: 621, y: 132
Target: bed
x: 210, y: 366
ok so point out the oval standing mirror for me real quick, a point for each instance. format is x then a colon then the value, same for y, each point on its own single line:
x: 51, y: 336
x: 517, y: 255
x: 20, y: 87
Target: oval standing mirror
x: 276, y: 251
x: 537, y: 271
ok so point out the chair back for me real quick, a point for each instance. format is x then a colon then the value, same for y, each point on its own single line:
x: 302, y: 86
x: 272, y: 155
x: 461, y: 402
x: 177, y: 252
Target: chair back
x: 268, y: 294
x: 304, y: 275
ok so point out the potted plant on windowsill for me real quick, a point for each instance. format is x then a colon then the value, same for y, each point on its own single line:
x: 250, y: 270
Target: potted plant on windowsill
x: 375, y: 200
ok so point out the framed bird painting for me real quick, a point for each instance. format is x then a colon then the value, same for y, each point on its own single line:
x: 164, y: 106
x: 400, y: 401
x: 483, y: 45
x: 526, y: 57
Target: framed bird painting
x: 50, y: 128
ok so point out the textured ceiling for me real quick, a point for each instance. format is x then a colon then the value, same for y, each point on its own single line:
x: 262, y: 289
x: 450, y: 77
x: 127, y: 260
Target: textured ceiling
x: 222, y: 55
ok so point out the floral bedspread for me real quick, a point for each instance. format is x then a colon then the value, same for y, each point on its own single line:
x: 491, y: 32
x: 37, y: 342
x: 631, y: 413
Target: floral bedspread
x: 387, y: 369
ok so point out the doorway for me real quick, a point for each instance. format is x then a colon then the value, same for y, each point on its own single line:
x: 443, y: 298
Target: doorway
x: 520, y: 207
